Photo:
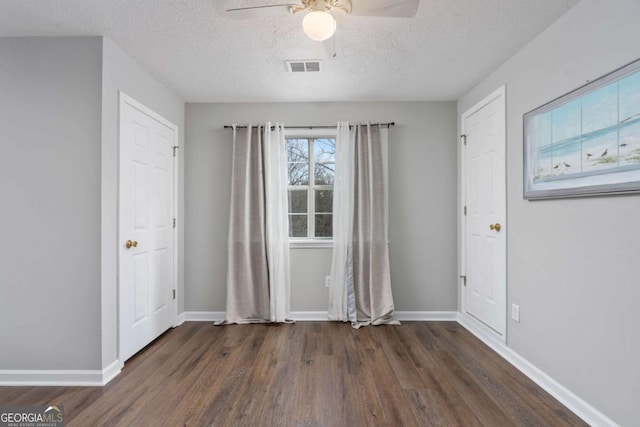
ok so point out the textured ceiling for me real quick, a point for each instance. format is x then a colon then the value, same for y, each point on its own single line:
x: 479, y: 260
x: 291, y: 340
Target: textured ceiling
x: 203, y: 56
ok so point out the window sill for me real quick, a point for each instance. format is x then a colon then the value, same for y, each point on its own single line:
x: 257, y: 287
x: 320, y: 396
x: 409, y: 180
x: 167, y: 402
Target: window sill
x: 310, y: 244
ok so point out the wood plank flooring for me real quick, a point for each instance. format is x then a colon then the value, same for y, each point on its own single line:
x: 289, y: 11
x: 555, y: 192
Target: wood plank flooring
x: 309, y: 374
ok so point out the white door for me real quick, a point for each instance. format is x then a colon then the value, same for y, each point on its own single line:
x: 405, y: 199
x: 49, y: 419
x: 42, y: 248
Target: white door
x: 147, y: 304
x: 484, y: 225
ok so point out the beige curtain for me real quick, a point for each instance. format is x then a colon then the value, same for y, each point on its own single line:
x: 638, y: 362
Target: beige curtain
x: 247, y: 270
x: 371, y: 273
x: 258, y: 277
x: 360, y: 266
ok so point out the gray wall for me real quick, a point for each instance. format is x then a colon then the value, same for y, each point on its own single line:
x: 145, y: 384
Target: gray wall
x: 309, y: 267
x: 59, y: 178
x: 121, y: 73
x: 422, y: 181
x: 573, y: 263
x: 50, y: 106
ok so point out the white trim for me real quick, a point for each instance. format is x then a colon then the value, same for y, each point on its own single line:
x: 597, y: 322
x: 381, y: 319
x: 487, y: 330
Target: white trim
x: 426, y: 316
x: 44, y: 377
x: 180, y: 319
x: 203, y: 316
x: 310, y: 244
x: 176, y: 216
x: 111, y: 371
x: 498, y: 93
x: 310, y: 133
x: 34, y: 377
x: 310, y: 316
x: 582, y: 409
x: 146, y: 110
x: 479, y: 329
x: 322, y: 316
x: 123, y: 99
x: 214, y: 316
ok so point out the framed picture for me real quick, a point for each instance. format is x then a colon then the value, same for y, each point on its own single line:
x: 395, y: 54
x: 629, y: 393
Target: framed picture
x: 586, y: 142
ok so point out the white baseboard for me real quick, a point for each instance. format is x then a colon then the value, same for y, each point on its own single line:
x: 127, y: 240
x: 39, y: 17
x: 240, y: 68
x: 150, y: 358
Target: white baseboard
x: 42, y: 377
x: 201, y: 316
x: 111, y: 371
x: 310, y: 316
x: 400, y: 315
x: 584, y: 410
x: 214, y: 316
x: 480, y: 330
x: 321, y: 316
x: 181, y: 318
x: 422, y: 316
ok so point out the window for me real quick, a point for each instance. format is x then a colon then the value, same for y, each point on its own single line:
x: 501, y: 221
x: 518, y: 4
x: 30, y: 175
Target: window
x: 311, y: 169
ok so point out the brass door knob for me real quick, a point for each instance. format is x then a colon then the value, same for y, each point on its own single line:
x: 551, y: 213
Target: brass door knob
x: 495, y: 226
x: 131, y: 244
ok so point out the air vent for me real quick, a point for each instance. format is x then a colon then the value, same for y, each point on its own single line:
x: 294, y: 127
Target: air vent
x: 303, y: 66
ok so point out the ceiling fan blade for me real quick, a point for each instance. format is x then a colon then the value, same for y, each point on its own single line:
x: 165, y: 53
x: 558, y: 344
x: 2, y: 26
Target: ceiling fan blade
x: 390, y: 8
x: 260, y: 11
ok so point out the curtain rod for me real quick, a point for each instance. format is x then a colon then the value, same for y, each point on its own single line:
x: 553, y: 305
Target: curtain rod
x: 388, y: 125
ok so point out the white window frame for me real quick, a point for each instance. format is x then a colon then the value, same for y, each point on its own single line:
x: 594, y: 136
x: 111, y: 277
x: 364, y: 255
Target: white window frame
x: 310, y: 242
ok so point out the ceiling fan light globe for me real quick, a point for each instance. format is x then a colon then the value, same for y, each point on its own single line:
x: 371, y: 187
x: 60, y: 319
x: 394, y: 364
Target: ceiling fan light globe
x: 318, y: 25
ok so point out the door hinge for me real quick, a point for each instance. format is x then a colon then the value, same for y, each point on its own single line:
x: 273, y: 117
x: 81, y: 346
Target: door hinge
x: 464, y: 280
x: 174, y: 294
x: 174, y: 223
x: 175, y: 147
x: 465, y: 211
x: 464, y: 139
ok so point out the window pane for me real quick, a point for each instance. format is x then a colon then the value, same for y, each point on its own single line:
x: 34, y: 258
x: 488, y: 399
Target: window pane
x: 297, y: 150
x: 298, y: 201
x: 324, y: 156
x: 324, y: 201
x: 324, y: 225
x: 298, y: 161
x: 298, y: 173
x: 324, y: 150
x: 297, y: 225
x: 324, y: 173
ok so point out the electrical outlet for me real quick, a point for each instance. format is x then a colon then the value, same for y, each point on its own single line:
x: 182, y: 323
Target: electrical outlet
x: 515, y: 312
x: 327, y: 281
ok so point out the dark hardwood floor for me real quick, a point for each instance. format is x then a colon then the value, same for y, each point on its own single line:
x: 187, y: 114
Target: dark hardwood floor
x: 309, y: 374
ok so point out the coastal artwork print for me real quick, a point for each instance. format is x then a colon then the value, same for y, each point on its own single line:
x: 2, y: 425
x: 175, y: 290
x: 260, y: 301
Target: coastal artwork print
x: 586, y: 142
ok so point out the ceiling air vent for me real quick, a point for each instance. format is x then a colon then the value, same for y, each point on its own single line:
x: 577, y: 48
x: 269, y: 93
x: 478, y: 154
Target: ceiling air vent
x: 303, y: 66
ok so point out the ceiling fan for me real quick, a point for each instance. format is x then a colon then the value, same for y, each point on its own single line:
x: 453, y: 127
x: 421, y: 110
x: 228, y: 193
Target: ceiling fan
x: 319, y: 24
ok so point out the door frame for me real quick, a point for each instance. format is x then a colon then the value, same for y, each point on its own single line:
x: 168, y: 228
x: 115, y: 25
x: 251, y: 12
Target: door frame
x: 124, y: 99
x: 499, y: 93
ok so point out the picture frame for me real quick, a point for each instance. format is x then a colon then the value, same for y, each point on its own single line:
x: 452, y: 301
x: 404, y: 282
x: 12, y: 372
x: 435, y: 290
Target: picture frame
x: 586, y: 142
